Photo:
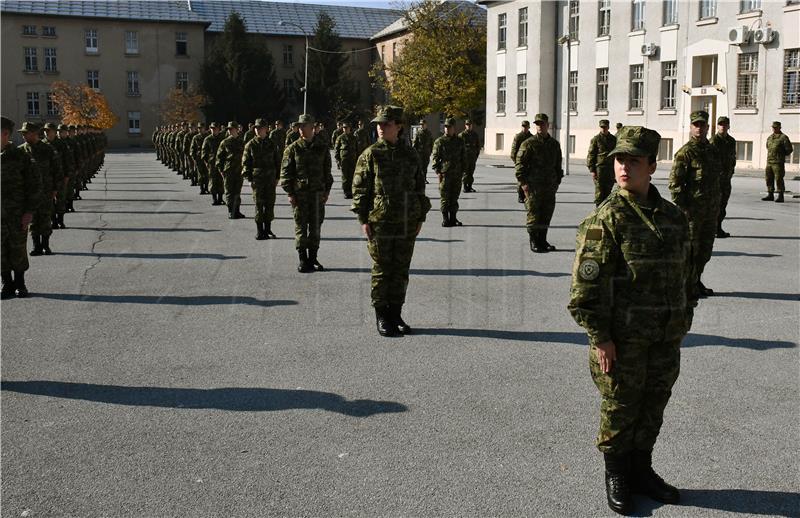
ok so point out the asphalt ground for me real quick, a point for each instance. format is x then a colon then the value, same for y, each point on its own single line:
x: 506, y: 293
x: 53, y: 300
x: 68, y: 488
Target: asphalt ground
x: 168, y: 364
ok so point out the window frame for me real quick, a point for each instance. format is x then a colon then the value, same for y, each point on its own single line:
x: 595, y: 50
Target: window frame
x: 574, y: 14
x: 181, y: 43
x: 93, y: 79
x: 31, y: 59
x: 502, y: 89
x: 572, y: 91
x: 522, y: 93
x: 47, y: 32
x: 182, y: 80
x: 134, y: 123
x: 51, y: 60
x: 603, y: 18
x: 132, y: 82
x: 747, y: 80
x: 522, y: 27
x: 91, y: 36
x: 131, y: 43
x: 669, y: 13
x: 791, y: 77
x: 638, y: 15
x: 52, y: 106
x: 707, y: 9
x: 32, y: 107
x: 636, y: 91
x: 502, y: 31
x: 29, y: 30
x: 601, y: 91
x: 669, y: 85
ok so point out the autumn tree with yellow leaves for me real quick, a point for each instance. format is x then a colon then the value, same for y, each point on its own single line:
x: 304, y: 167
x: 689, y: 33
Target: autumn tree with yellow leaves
x: 81, y: 105
x: 441, y: 65
x: 183, y: 105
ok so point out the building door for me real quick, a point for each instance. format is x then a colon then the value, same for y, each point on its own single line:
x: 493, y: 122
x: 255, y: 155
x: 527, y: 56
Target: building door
x: 707, y: 103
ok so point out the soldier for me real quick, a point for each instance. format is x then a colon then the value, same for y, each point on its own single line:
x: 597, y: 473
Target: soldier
x: 179, y: 152
x: 306, y: 178
x: 229, y: 165
x: 322, y: 134
x: 390, y: 202
x: 19, y: 198
x: 47, y: 167
x: 208, y: 153
x: 631, y: 291
x: 618, y: 127
x: 292, y: 135
x: 362, y: 136
x: 278, y: 137
x: 600, y: 166
x: 449, y: 160
x: 336, y: 132
x: 65, y: 165
x: 423, y: 145
x: 472, y: 148
x: 191, y: 172
x: 195, y: 155
x: 71, y: 170
x: 778, y: 148
x: 519, y: 138
x: 726, y: 150
x: 260, y: 165
x: 539, y: 173
x: 694, y: 183
x: 346, y: 153
x: 250, y: 133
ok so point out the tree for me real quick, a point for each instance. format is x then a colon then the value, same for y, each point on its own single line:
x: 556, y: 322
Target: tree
x: 442, y: 64
x: 81, y: 105
x: 238, y: 77
x: 183, y: 105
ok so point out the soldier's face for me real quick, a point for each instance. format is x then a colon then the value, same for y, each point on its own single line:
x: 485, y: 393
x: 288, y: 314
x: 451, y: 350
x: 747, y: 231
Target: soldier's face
x: 450, y: 130
x: 5, y: 135
x: 699, y: 129
x: 348, y: 129
x: 603, y: 129
x: 388, y: 131
x: 51, y: 134
x: 633, y: 173
x: 262, y: 132
x: 234, y: 132
x: 542, y: 127
x: 31, y: 137
x: 215, y: 131
x: 722, y: 128
x: 306, y: 131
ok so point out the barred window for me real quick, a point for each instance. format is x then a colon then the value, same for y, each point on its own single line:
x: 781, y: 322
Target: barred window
x: 572, y: 97
x: 604, y: 18
x: 31, y: 59
x: 637, y: 88
x: 50, y: 63
x: 182, y: 80
x: 52, y: 107
x: 574, y: 18
x: 288, y: 55
x: 133, y: 83
x: 670, y: 12
x: 501, y: 95
x: 708, y: 9
x: 90, y: 37
x: 501, y: 31
x: 33, y: 103
x: 791, y: 78
x: 669, y: 84
x: 29, y: 30
x: 748, y: 6
x: 522, y: 39
x: 747, y: 80
x: 181, y: 44
x: 131, y: 42
x: 637, y: 15
x: 522, y: 92
x: 601, y: 95
x: 49, y: 31
x: 93, y: 79
x: 571, y: 144
x: 134, y: 123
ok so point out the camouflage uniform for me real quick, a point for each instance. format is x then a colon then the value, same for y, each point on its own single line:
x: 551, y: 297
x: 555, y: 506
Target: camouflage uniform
x: 195, y: 155
x: 539, y: 167
x: 47, y: 166
x: 449, y: 160
x: 778, y: 148
x: 208, y: 153
x: 346, y: 153
x: 472, y: 148
x: 726, y: 150
x: 519, y: 138
x: 597, y: 162
x: 423, y: 145
x: 66, y: 164
x: 278, y: 137
x: 362, y: 136
x: 260, y: 166
x: 291, y: 136
x: 229, y: 164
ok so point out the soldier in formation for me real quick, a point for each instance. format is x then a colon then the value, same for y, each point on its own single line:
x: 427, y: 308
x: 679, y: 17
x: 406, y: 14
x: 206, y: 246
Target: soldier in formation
x: 199, y: 169
x: 292, y: 135
x: 346, y: 154
x: 778, y: 148
x: 49, y: 177
x: 423, y: 145
x: 725, y: 146
x: 600, y: 166
x: 260, y: 166
x: 519, y: 138
x: 362, y: 136
x: 229, y: 165
x: 278, y: 136
x: 449, y: 161
x: 66, y: 165
x: 208, y: 153
x: 472, y: 149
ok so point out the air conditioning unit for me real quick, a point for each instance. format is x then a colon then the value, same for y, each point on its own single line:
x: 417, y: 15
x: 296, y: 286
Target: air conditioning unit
x: 649, y: 49
x: 765, y: 35
x: 738, y: 35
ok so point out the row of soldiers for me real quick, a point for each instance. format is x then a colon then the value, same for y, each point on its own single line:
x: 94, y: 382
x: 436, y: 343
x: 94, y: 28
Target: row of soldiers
x: 41, y: 178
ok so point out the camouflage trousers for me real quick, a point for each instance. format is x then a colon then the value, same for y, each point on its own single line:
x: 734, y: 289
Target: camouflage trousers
x: 603, y: 184
x: 774, y: 174
x: 469, y: 170
x: 216, y: 181
x: 702, y: 232
x: 233, y: 188
x: 541, y: 203
x: 13, y: 245
x: 202, y: 174
x: 64, y: 194
x: 348, y: 169
x: 724, y: 196
x: 264, y: 198
x: 636, y: 391
x: 42, y: 224
x: 309, y: 213
x: 391, y: 249
x: 449, y: 191
x: 424, y: 162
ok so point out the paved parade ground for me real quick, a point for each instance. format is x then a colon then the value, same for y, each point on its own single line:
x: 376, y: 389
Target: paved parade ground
x: 168, y: 364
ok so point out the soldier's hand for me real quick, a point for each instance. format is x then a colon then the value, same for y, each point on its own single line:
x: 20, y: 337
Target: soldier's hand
x: 594, y: 175
x: 292, y: 201
x: 54, y: 195
x: 606, y: 355
x: 525, y: 189
x: 367, y: 230
x: 27, y: 218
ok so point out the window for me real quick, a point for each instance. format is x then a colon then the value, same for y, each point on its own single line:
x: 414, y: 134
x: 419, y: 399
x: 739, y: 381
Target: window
x: 182, y: 80
x: 791, y: 78
x: 670, y: 12
x: 522, y: 92
x: 50, y: 63
x: 131, y: 42
x: 501, y: 95
x: 181, y: 44
x: 29, y: 30
x: 748, y: 6
x: 637, y: 88
x: 394, y: 51
x: 572, y: 94
x: 133, y: 83
x: 669, y: 84
x: 49, y: 31
x: 708, y: 9
x: 31, y: 59
x: 794, y: 158
x: 289, y: 90
x: 33, y: 103
x: 354, y: 58
x: 747, y: 81
x: 90, y: 35
x: 93, y: 79
x: 571, y: 144
x: 665, y: 149
x: 134, y: 123
x: 499, y: 141
x: 637, y: 15
x: 604, y: 18
x: 52, y: 107
x: 288, y: 55
x: 501, y: 31
x: 601, y: 96
x: 574, y: 18
x: 522, y: 39
x: 744, y: 150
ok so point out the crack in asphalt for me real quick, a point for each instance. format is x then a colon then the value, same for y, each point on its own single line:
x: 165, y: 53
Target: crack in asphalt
x: 100, y: 236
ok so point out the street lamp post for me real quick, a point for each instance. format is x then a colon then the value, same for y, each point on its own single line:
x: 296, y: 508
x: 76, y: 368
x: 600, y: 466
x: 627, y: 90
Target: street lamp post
x: 566, y: 40
x: 305, y: 78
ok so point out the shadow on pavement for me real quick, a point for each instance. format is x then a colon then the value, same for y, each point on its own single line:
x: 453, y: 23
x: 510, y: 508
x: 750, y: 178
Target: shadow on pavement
x: 748, y: 219
x: 721, y: 253
x: 172, y: 300
x: 467, y: 272
x: 758, y: 295
x: 744, y: 501
x: 231, y: 398
x: 144, y: 190
x: 763, y: 237
x: 423, y: 239
x: 134, y: 255
x: 151, y: 200
x: 154, y: 212
x: 145, y: 229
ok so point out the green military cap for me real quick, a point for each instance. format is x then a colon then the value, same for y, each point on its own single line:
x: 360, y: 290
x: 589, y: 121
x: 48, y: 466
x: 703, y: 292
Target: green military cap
x: 233, y: 124
x: 50, y: 126
x: 6, y: 123
x: 213, y: 125
x: 389, y: 113
x: 468, y: 121
x: 723, y: 120
x: 604, y: 123
x: 277, y: 122
x: 63, y: 127
x: 636, y: 141
x: 29, y: 126
x: 541, y: 117
x: 450, y: 121
x: 201, y: 124
x: 526, y: 124
x: 260, y: 123
x: 346, y: 125
x: 776, y: 124
x: 698, y: 116
x: 305, y: 119
x: 619, y: 125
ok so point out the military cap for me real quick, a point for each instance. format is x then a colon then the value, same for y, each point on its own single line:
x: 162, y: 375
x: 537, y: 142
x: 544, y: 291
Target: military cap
x: 293, y: 124
x: 450, y: 121
x: 6, y: 123
x: 541, y: 117
x: 604, y: 123
x: 468, y: 121
x: 213, y: 125
x: 233, y: 124
x: 305, y: 119
x: 63, y: 127
x: 29, y: 126
x: 698, y: 116
x: 723, y: 120
x: 347, y: 125
x: 776, y: 124
x: 389, y: 113
x: 261, y: 123
x: 636, y: 141
x: 50, y: 126
x: 619, y: 125
x: 201, y: 124
x: 526, y: 124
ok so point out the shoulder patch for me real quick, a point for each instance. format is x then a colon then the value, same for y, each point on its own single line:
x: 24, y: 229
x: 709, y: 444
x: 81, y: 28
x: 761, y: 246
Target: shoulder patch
x: 594, y: 234
x: 589, y: 269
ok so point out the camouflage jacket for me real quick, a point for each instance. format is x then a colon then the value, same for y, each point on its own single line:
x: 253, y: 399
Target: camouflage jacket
x: 229, y: 156
x: 539, y: 162
x: 196, y: 147
x: 449, y: 156
x: 632, y: 274
x: 778, y: 148
x: 306, y: 167
x: 389, y: 185
x: 472, y: 143
x: 187, y: 142
x: 726, y: 150
x: 19, y: 184
x: 423, y: 142
x: 291, y: 136
x: 362, y: 136
x: 694, y: 179
x: 519, y: 138
x: 278, y: 137
x: 46, y: 164
x: 599, y: 149
x: 208, y: 152
x: 335, y: 136
x: 64, y: 156
x: 346, y: 148
x: 248, y: 135
x: 261, y: 162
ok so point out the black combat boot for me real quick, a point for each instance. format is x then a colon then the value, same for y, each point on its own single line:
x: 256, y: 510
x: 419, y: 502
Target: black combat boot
x: 19, y: 283
x: 779, y: 199
x: 454, y: 221
x: 396, y: 312
x: 446, y: 219
x: 721, y: 234
x: 703, y: 291
x: 238, y: 213
x: 8, y: 285
x: 768, y: 197
x: 37, y: 245
x: 261, y: 233
x: 76, y: 195
x: 645, y: 481
x: 60, y: 221
x: 520, y: 196
x: 312, y: 259
x: 70, y: 206
x: 46, y: 245
x: 534, y: 239
x: 304, y: 266
x: 54, y: 221
x: 547, y: 245
x: 268, y: 230
x: 384, y: 323
x: 618, y: 490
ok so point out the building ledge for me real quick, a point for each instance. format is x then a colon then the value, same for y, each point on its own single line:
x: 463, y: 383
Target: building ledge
x: 634, y: 112
x: 791, y: 7
x: 671, y: 27
x: 501, y: 51
x: 30, y: 72
x: 707, y: 21
x: 789, y: 110
x: 500, y: 114
x: 600, y: 112
x: 667, y: 111
x: 640, y: 32
x: 522, y: 47
x: 52, y: 72
x: 521, y: 114
x: 573, y: 113
x: 132, y: 54
x: 749, y: 15
x: 603, y: 38
x: 745, y: 111
x: 89, y: 53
